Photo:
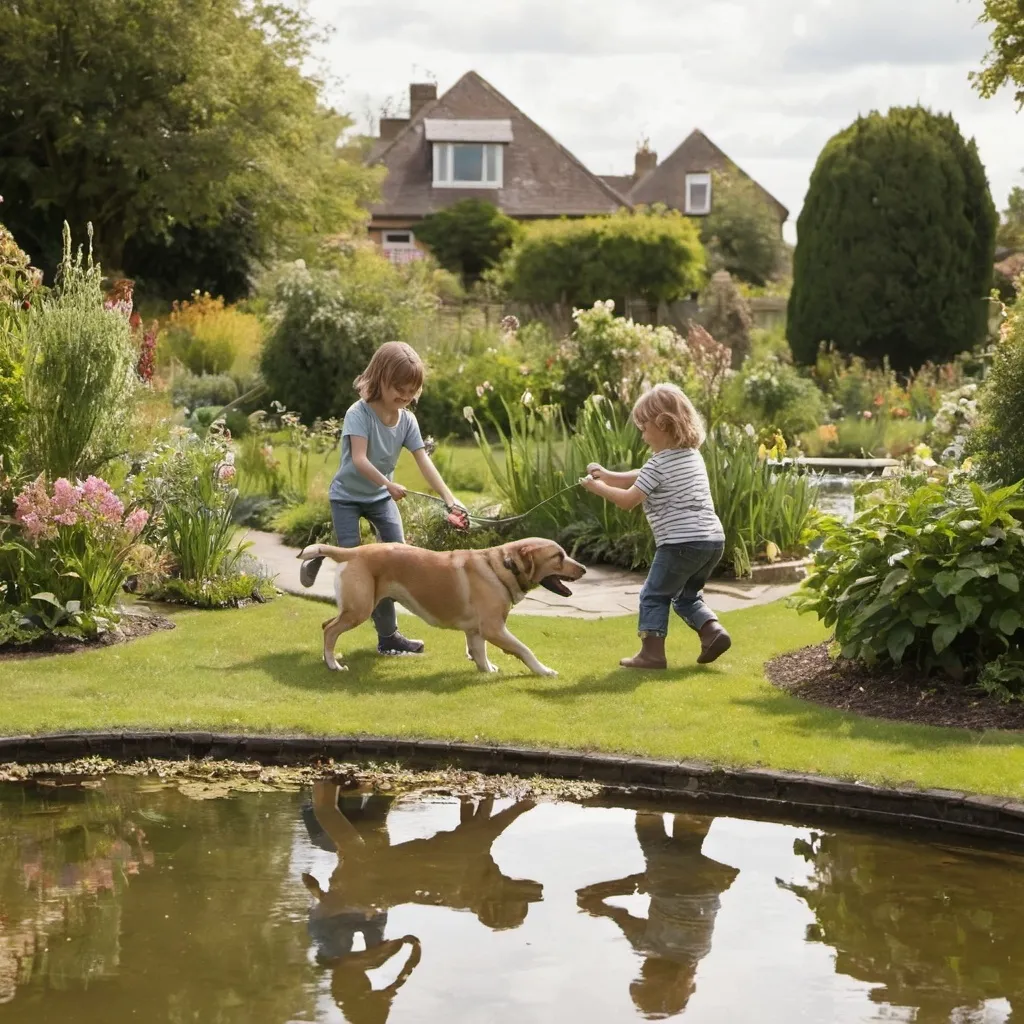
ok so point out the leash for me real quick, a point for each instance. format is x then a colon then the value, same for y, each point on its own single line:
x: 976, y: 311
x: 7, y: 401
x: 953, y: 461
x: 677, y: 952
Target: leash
x: 461, y: 518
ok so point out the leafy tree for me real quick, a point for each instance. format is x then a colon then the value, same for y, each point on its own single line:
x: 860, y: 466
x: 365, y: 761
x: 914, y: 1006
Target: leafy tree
x: 1010, y: 233
x: 654, y: 256
x: 147, y: 117
x: 741, y: 232
x: 895, y: 246
x: 468, y: 237
x: 1004, y: 62
x: 998, y: 438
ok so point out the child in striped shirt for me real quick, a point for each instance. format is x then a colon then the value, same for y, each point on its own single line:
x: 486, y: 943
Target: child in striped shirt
x: 673, y: 488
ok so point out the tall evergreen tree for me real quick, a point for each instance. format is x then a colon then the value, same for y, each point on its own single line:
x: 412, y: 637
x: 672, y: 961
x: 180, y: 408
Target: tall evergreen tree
x: 895, y: 242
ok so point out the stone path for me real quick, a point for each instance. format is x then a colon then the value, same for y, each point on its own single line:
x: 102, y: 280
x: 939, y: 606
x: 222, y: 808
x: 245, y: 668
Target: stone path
x: 602, y: 593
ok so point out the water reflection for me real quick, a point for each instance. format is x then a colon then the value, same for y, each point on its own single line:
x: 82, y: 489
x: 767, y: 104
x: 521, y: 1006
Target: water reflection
x: 684, y: 888
x: 453, y: 869
x: 937, y: 928
x: 134, y: 901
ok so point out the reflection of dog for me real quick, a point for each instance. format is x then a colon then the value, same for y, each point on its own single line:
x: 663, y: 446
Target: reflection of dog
x: 468, y: 590
x: 451, y: 869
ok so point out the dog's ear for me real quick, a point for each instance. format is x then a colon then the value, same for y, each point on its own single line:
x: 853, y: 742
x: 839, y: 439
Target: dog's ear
x: 521, y: 561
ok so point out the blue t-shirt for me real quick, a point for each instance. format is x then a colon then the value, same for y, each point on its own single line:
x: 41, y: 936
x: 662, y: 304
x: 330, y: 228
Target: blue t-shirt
x: 383, y: 446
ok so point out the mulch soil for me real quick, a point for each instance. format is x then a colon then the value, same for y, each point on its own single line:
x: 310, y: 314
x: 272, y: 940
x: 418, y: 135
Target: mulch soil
x: 131, y: 627
x: 901, y: 695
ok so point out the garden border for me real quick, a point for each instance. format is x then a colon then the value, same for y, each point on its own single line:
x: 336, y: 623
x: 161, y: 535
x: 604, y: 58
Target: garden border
x: 779, y: 794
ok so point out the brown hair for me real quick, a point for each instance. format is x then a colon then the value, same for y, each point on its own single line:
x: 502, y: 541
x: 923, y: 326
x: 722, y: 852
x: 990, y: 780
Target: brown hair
x: 670, y: 410
x: 394, y: 365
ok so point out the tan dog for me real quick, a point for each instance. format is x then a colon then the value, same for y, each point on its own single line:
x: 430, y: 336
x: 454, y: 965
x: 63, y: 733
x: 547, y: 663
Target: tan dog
x: 468, y: 590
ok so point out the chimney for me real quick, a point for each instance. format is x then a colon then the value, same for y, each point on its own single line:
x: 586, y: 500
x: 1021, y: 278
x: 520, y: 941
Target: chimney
x: 420, y: 94
x: 391, y: 126
x: 646, y: 161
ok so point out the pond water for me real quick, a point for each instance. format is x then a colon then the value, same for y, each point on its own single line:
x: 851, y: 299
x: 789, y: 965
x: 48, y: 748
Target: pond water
x: 134, y: 901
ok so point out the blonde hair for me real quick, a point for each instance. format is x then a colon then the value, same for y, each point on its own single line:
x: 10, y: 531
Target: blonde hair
x: 394, y: 365
x: 670, y: 410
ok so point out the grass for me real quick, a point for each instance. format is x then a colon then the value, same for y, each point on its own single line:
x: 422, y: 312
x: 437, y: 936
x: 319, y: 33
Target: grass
x: 259, y: 670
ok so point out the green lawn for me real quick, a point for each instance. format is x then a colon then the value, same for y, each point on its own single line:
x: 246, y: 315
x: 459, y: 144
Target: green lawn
x: 259, y: 669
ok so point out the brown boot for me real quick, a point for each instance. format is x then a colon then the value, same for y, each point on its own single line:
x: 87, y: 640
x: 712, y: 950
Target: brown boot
x: 714, y: 642
x: 651, y: 655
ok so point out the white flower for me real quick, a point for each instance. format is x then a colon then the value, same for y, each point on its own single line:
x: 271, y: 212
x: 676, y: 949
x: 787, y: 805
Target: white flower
x: 467, y: 412
x: 230, y: 458
x: 527, y: 397
x: 300, y: 264
x: 749, y: 430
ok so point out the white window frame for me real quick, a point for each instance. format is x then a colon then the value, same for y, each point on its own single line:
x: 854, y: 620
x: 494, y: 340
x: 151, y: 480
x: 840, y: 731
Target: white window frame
x: 444, y: 154
x: 389, y: 243
x: 698, y: 179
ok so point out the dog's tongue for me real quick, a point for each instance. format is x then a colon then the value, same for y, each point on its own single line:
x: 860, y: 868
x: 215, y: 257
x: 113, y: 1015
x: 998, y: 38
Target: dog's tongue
x: 556, y: 586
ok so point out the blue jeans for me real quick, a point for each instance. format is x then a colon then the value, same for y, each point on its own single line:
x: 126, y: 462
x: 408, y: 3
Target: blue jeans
x: 677, y: 577
x: 384, y: 517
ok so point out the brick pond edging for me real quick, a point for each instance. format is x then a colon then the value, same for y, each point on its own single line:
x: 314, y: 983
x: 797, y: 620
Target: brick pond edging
x: 760, y: 791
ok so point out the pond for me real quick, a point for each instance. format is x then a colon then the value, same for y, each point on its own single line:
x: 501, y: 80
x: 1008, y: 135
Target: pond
x: 133, y: 900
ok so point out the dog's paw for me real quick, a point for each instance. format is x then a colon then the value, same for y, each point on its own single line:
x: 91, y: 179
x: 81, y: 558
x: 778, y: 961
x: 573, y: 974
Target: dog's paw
x: 336, y: 666
x: 545, y: 671
x: 488, y: 666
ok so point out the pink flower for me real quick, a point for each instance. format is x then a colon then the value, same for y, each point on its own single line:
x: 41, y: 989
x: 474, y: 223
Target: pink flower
x: 866, y: 414
x: 67, y: 518
x: 66, y: 496
x: 136, y: 521
x: 225, y: 473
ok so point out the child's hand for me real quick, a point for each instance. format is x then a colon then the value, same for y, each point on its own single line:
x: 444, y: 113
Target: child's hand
x: 595, y: 469
x: 397, y: 491
x: 588, y: 483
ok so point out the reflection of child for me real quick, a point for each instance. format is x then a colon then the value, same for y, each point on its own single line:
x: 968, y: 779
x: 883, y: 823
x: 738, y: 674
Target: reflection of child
x: 685, y: 889
x: 375, y: 431
x: 673, y: 487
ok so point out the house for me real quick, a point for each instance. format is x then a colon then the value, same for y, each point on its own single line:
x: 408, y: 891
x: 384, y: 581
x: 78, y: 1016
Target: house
x: 684, y: 180
x: 472, y: 142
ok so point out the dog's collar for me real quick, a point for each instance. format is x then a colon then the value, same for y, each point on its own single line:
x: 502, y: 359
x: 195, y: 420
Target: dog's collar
x: 522, y: 580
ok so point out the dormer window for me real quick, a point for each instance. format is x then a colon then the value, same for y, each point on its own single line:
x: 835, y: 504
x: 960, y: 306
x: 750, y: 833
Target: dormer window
x: 468, y: 154
x: 698, y: 193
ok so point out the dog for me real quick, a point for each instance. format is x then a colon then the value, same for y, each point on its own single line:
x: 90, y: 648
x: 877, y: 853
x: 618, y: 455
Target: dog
x: 472, y: 591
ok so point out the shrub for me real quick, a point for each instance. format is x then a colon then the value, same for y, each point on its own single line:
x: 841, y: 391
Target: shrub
x: 80, y: 380
x: 468, y: 237
x: 653, y: 257
x: 998, y: 441
x: 742, y: 233
x: 327, y: 325
x: 193, y: 391
x: 726, y: 316
x: 929, y: 576
x: 188, y: 484
x: 895, y: 243
x: 613, y: 355
x: 773, y: 392
x: 493, y: 369
x: 207, y: 337
x: 63, y: 567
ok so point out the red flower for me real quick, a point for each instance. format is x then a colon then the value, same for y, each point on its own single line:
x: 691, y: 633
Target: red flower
x: 879, y: 400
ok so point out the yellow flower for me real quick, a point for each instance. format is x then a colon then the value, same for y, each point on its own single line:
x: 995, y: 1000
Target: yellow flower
x: 762, y: 453
x: 967, y: 464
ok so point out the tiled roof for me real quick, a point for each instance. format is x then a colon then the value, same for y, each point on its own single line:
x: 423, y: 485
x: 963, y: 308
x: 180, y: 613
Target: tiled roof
x: 695, y: 155
x: 541, y: 178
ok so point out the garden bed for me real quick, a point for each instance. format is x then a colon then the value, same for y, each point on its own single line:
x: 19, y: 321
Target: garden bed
x: 132, y: 626
x: 904, y: 695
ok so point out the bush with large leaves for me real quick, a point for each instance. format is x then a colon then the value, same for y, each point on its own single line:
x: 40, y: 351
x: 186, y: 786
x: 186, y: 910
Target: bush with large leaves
x: 931, y: 576
x: 468, y: 237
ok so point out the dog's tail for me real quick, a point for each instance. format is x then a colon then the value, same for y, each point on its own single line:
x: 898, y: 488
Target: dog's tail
x: 326, y: 551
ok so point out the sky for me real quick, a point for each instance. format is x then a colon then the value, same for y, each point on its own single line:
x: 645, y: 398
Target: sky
x: 769, y: 81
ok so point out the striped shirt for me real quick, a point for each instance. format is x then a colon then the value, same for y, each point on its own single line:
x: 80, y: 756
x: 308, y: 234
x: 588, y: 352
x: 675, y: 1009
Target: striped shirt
x: 678, y: 497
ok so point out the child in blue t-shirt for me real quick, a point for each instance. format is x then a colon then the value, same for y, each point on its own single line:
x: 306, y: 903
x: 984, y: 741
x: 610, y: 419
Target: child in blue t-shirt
x: 375, y: 431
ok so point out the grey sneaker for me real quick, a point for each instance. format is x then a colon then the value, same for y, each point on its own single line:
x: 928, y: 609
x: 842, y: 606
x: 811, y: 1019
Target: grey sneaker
x: 308, y: 571
x: 398, y: 644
